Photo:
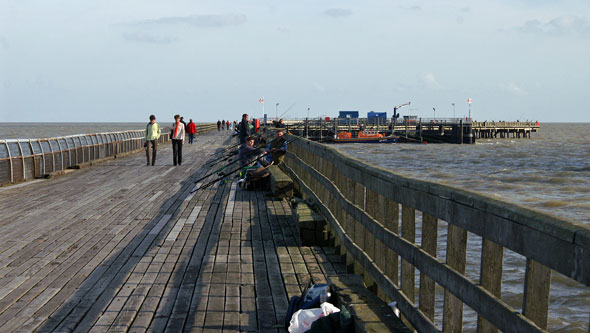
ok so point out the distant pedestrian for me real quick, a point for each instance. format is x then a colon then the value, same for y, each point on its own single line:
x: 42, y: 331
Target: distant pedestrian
x: 244, y: 128
x: 182, y: 121
x: 227, y: 125
x: 218, y: 125
x: 152, y: 134
x: 177, y: 136
x: 191, y: 129
x: 223, y: 124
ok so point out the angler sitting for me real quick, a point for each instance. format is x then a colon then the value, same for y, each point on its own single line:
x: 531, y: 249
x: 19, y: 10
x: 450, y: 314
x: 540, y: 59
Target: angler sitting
x: 276, y: 149
x: 248, y: 154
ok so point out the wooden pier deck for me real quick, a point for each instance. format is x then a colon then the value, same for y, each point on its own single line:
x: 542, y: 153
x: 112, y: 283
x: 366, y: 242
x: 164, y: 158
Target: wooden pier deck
x: 122, y: 246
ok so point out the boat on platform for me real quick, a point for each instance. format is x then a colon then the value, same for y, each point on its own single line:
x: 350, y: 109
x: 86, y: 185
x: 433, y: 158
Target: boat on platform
x: 365, y: 137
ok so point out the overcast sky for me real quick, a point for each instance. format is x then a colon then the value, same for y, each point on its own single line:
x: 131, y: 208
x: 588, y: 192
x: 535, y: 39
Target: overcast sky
x: 120, y: 61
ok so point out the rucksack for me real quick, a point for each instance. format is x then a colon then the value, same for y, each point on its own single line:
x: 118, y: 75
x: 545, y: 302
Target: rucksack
x: 312, y: 296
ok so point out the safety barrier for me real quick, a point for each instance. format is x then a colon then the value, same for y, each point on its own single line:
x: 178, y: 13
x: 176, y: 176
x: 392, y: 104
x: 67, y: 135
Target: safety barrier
x: 25, y: 159
x: 363, y: 204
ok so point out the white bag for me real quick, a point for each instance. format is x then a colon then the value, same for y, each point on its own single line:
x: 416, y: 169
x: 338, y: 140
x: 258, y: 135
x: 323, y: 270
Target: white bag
x: 302, y: 319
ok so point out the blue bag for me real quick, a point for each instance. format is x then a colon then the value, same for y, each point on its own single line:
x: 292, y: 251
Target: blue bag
x: 312, y: 297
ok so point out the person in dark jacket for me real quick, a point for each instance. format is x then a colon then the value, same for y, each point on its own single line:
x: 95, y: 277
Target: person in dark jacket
x: 244, y: 128
x: 248, y: 152
x: 182, y: 121
x: 218, y: 125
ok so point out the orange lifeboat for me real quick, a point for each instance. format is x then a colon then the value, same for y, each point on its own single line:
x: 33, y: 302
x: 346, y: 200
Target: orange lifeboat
x: 344, y: 135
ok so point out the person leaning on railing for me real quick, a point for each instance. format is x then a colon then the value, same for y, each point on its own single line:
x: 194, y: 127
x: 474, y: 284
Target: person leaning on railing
x: 152, y: 134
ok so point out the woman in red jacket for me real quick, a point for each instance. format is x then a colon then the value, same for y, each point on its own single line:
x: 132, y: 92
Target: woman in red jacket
x: 191, y: 129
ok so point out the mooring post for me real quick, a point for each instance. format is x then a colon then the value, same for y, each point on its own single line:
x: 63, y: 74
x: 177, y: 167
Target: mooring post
x: 461, y: 131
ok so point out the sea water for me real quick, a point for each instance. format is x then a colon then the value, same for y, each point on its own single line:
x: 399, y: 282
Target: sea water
x: 549, y: 172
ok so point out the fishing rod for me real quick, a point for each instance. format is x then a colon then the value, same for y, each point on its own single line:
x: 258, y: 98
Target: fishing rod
x: 246, y: 156
x: 223, y: 175
x: 233, y: 153
x: 292, y: 105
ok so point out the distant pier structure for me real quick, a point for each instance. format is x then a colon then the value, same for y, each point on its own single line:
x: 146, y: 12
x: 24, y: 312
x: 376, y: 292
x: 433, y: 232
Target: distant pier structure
x: 414, y: 129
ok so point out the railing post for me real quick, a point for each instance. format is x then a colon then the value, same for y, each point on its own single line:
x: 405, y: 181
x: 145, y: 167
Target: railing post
x: 392, y: 224
x: 427, y: 286
x: 492, y: 256
x: 10, y: 162
x: 61, y: 153
x: 33, y: 153
x: 408, y: 233
x: 22, y: 158
x: 537, y: 283
x: 52, y: 156
x: 42, y: 158
x: 456, y: 259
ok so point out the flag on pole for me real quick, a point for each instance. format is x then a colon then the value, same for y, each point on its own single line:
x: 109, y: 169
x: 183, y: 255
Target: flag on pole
x: 469, y: 100
x: 261, y: 100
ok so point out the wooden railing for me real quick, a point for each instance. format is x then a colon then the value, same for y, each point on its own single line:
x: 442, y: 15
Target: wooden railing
x: 25, y: 159
x: 505, y: 124
x: 363, y: 203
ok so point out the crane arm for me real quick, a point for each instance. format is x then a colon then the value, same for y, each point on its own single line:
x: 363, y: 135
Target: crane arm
x: 401, y: 105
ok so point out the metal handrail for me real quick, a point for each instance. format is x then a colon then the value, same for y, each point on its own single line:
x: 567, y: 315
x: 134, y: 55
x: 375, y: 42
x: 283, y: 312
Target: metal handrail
x: 108, y: 142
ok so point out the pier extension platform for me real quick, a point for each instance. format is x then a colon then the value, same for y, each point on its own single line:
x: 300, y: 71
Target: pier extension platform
x: 121, y: 246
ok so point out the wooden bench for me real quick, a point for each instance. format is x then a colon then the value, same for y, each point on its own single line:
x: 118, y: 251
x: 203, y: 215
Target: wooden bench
x: 281, y: 185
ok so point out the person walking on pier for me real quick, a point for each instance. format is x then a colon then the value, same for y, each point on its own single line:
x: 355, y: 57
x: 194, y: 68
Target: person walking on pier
x: 191, y: 129
x: 152, y: 134
x: 177, y: 137
x: 218, y: 125
x: 244, y: 128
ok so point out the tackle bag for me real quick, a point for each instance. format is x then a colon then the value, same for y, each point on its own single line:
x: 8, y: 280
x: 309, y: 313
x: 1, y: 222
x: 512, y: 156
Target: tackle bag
x: 312, y: 297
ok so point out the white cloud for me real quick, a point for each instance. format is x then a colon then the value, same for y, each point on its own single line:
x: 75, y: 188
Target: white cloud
x: 4, y: 43
x: 147, y: 38
x: 431, y: 81
x: 319, y: 87
x: 512, y: 88
x: 337, y: 12
x: 558, y: 26
x: 214, y: 21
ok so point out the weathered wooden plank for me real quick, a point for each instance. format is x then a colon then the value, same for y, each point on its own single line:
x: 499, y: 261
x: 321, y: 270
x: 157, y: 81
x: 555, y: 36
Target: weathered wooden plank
x: 456, y: 259
x: 490, y: 277
x: 427, y: 286
x: 537, y: 285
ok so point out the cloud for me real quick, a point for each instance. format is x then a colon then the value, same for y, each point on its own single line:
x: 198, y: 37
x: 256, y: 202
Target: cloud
x: 319, y: 87
x: 202, y: 21
x: 4, y: 43
x: 143, y: 37
x: 337, y: 12
x: 559, y: 26
x: 431, y: 81
x: 512, y: 88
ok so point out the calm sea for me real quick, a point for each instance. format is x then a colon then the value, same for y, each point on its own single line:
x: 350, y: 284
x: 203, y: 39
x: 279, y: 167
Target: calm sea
x: 50, y: 130
x: 549, y: 172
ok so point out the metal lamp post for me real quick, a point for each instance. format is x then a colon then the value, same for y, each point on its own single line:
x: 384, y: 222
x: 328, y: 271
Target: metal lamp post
x: 453, y: 104
x: 277, y: 112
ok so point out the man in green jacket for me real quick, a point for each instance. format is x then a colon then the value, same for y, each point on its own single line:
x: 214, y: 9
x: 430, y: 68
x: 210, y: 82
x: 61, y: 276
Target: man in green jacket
x: 152, y: 134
